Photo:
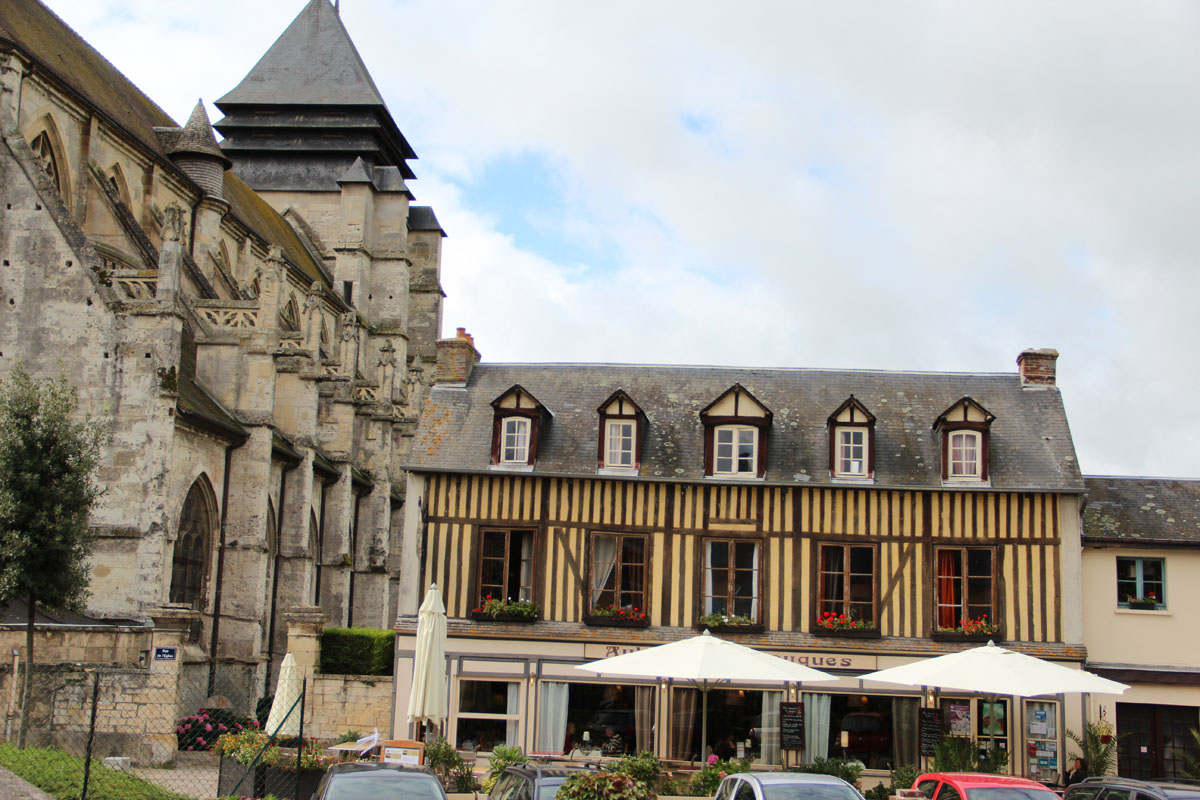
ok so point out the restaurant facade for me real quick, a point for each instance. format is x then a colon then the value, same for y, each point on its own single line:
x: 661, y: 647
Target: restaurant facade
x: 846, y: 520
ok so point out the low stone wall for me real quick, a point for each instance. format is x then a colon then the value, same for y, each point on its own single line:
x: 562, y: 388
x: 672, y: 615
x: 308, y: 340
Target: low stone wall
x: 100, y: 644
x: 341, y: 703
x: 135, y: 711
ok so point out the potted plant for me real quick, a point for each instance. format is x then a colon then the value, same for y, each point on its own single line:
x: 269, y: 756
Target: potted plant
x: 970, y: 629
x: 1147, y: 603
x: 617, y: 617
x: 724, y: 623
x: 496, y: 610
x: 831, y: 623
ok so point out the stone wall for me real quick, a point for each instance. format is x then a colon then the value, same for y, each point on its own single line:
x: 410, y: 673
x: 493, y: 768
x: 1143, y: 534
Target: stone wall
x: 342, y: 703
x: 101, y: 644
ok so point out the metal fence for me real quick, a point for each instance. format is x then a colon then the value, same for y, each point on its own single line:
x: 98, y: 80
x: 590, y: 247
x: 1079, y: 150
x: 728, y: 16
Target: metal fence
x: 104, y: 734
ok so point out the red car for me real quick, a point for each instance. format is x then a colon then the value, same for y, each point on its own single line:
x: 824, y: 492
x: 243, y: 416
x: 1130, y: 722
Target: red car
x: 980, y: 786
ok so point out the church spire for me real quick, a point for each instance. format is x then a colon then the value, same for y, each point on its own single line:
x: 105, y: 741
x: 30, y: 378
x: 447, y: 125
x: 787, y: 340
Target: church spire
x: 308, y: 109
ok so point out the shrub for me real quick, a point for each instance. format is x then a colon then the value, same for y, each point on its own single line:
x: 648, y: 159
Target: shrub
x: 61, y: 776
x: 904, y: 776
x: 357, y: 651
x: 879, y: 792
x: 849, y: 771
x: 705, y: 782
x: 643, y: 767
x: 448, y: 765
x: 200, y: 731
x: 960, y: 754
x: 502, y: 757
x: 1099, y: 755
x: 603, y: 786
x: 348, y: 736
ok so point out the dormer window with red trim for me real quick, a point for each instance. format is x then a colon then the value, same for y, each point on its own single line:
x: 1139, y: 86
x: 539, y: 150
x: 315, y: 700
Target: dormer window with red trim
x: 519, y: 421
x: 852, y: 441
x: 735, y: 435
x: 622, y: 429
x: 965, y: 429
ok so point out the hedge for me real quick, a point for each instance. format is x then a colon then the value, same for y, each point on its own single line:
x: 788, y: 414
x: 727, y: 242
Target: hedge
x: 357, y: 651
x: 61, y: 775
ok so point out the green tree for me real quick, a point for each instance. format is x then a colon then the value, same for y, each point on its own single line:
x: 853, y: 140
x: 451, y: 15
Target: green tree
x: 47, y: 491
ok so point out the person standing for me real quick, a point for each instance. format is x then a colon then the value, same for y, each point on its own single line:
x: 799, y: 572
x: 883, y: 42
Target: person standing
x: 1077, y: 773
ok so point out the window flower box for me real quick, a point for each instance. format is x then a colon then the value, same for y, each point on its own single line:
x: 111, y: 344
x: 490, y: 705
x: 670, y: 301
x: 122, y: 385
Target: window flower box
x: 494, y: 610
x: 617, y: 617
x: 1143, y: 604
x: 719, y: 623
x: 845, y: 626
x: 954, y: 635
x: 609, y: 621
x: 846, y: 633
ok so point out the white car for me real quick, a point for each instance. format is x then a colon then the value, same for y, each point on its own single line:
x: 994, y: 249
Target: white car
x: 784, y: 786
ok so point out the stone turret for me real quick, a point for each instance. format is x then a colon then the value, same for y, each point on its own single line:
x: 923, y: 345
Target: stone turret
x: 195, y: 151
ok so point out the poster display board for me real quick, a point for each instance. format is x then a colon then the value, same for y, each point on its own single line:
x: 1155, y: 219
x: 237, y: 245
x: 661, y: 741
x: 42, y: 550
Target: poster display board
x: 1041, y: 741
x: 791, y: 726
x: 401, y: 751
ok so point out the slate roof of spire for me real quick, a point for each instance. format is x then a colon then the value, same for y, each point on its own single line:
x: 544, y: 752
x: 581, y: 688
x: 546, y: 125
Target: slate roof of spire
x: 313, y: 62
x: 197, y: 136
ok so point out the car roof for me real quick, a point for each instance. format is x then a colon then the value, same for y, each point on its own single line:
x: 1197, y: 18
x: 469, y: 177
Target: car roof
x: 551, y: 771
x: 791, y: 777
x: 375, y: 766
x: 1170, y: 789
x: 981, y: 779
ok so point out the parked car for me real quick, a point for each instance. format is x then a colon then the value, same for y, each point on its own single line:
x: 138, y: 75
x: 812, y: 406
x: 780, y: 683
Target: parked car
x: 784, y: 786
x: 363, y: 780
x: 1114, y: 788
x: 531, y: 781
x: 980, y: 786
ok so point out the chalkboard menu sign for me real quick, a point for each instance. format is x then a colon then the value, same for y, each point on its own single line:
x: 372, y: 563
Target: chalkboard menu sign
x: 931, y: 730
x: 791, y: 726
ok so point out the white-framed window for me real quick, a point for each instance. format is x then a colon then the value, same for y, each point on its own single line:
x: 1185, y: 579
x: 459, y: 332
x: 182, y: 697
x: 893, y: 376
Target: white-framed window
x: 489, y: 714
x: 852, y: 452
x: 514, y: 440
x: 620, y: 437
x: 964, y: 451
x: 736, y: 450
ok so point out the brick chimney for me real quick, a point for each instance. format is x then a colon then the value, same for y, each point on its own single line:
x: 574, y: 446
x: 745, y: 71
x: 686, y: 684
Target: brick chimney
x: 1037, y: 367
x: 456, y: 358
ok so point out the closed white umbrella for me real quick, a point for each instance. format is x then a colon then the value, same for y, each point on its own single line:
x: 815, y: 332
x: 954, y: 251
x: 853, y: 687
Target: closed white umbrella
x: 706, y: 661
x: 427, y: 697
x: 287, y: 692
x: 996, y: 671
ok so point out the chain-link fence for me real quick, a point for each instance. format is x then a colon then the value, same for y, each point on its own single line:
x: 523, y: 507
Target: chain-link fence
x: 138, y: 734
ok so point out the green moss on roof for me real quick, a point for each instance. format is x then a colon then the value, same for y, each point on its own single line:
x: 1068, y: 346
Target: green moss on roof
x: 257, y: 214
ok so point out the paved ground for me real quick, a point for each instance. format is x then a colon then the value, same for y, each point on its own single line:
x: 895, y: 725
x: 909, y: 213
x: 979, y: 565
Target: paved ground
x: 194, y: 781
x: 13, y: 788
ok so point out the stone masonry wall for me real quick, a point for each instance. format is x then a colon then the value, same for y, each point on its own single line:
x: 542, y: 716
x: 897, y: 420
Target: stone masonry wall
x: 342, y: 703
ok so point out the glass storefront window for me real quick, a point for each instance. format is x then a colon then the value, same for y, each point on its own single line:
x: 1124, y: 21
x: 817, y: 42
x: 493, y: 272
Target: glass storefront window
x: 879, y: 731
x: 741, y: 723
x: 613, y: 719
x: 488, y: 714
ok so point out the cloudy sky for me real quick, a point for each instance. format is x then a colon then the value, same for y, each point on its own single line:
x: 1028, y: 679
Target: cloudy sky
x: 914, y: 186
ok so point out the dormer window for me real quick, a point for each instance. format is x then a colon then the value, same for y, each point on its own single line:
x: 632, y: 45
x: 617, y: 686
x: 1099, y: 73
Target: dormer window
x: 519, y: 421
x: 735, y: 435
x: 852, y: 441
x: 622, y: 426
x: 965, y: 429
x: 515, y: 446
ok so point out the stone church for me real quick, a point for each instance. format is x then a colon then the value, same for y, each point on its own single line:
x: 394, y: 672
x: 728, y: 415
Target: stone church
x: 254, y: 321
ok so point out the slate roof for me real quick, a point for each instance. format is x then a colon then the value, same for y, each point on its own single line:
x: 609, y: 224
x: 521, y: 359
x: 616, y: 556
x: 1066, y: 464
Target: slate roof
x: 1151, y: 510
x: 421, y: 218
x: 257, y: 214
x: 1031, y: 445
x: 313, y: 62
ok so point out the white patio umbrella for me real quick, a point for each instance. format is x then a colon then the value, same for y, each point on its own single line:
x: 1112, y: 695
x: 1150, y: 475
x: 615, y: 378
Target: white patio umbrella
x: 287, y: 692
x: 427, y: 697
x: 996, y: 671
x: 706, y: 661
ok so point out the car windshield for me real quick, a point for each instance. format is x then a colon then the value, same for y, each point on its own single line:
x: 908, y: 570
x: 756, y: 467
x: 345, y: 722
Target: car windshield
x: 550, y: 787
x: 1009, y: 793
x: 383, y: 785
x: 808, y: 791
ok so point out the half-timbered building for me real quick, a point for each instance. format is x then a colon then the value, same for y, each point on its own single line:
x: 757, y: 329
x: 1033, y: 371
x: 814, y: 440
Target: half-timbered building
x: 849, y: 520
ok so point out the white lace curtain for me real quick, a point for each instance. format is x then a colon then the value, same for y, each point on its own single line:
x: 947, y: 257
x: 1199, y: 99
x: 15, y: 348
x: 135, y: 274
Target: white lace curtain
x: 552, y: 727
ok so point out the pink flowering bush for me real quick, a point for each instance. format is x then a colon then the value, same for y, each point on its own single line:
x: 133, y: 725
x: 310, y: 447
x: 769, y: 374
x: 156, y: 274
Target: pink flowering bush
x: 199, y: 731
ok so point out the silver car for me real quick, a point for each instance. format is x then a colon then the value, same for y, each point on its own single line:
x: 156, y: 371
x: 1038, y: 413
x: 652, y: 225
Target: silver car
x: 784, y: 786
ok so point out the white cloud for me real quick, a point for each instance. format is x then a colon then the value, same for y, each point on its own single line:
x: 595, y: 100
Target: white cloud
x: 923, y: 185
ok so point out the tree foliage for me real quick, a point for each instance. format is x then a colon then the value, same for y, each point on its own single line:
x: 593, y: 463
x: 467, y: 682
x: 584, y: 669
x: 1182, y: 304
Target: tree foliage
x: 1097, y: 747
x: 47, y: 462
x: 47, y: 491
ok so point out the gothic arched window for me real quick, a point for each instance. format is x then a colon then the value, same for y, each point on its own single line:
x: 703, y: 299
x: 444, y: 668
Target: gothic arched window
x: 289, y: 317
x: 189, y: 563
x: 44, y: 151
